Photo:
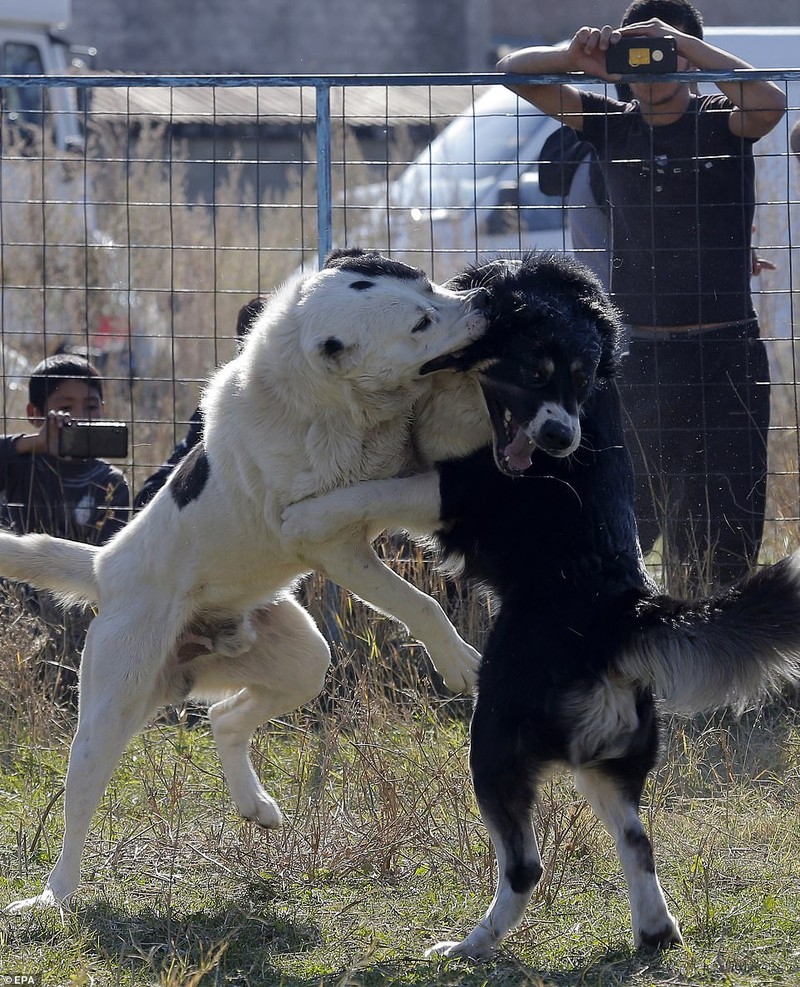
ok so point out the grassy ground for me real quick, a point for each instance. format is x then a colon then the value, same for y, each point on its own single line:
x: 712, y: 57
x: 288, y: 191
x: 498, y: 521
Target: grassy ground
x: 383, y: 852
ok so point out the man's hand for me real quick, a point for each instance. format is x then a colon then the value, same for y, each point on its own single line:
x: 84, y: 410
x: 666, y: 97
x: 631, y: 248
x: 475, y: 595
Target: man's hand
x: 759, y: 264
x: 587, y: 50
x: 653, y: 28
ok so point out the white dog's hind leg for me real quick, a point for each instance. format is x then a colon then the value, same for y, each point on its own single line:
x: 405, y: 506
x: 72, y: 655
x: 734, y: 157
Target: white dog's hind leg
x: 286, y: 666
x: 356, y: 567
x: 111, y: 710
x: 233, y: 722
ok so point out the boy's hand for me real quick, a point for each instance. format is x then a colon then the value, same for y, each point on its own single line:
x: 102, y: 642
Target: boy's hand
x: 45, y: 441
x: 54, y: 422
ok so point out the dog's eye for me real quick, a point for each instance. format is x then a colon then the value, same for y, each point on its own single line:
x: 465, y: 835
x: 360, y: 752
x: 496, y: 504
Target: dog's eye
x: 362, y: 285
x: 423, y: 324
x: 539, y: 377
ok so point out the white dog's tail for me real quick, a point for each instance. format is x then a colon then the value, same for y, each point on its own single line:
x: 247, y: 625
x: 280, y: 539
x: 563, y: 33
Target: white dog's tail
x: 64, y: 567
x: 728, y: 649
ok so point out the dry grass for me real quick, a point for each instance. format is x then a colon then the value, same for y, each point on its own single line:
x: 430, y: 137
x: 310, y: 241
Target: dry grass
x: 383, y: 851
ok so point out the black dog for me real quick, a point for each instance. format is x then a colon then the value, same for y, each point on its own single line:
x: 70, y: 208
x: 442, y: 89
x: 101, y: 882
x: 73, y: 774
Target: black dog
x: 583, y: 642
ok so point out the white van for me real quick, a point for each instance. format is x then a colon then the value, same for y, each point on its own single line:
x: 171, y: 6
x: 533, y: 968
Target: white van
x: 28, y: 47
x: 41, y: 133
x: 475, y: 189
x: 455, y: 200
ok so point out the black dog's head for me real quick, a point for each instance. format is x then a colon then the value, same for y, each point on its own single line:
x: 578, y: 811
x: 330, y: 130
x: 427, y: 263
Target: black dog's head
x: 552, y: 337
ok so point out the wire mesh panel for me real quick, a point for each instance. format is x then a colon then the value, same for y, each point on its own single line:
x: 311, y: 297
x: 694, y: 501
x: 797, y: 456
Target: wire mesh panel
x: 141, y: 244
x: 139, y: 237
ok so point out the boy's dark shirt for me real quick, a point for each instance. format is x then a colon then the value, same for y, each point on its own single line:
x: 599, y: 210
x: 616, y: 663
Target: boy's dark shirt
x: 683, y: 200
x: 156, y: 480
x: 86, y: 500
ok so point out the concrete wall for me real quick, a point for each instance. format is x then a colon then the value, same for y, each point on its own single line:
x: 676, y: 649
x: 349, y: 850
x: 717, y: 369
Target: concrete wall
x: 284, y: 36
x: 348, y: 36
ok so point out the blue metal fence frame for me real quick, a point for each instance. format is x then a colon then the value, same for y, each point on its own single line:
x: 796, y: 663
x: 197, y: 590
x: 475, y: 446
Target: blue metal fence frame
x: 322, y: 86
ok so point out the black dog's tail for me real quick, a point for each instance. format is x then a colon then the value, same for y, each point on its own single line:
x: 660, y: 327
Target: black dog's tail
x: 728, y: 649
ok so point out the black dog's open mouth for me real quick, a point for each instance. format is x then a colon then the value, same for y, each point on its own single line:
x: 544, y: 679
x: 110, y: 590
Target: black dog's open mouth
x: 512, y: 447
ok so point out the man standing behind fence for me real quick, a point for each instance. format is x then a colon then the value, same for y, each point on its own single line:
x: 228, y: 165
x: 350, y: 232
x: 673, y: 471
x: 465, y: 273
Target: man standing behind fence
x: 680, y: 174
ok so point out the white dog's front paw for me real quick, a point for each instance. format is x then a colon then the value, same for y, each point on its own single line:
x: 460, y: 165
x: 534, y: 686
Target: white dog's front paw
x: 460, y: 675
x: 47, y: 899
x: 307, y: 521
x: 304, y: 484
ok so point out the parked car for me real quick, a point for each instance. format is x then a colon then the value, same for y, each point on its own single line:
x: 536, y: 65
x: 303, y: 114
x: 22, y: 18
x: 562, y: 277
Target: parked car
x: 29, y: 47
x: 473, y: 190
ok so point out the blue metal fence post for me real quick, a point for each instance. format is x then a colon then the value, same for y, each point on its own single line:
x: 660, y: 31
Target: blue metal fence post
x: 324, y: 211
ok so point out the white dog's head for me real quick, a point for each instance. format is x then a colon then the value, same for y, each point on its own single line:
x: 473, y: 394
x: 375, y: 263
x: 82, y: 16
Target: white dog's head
x: 376, y: 321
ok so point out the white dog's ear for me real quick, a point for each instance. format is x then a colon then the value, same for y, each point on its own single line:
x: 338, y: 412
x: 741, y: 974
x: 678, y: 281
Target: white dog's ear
x: 336, y: 354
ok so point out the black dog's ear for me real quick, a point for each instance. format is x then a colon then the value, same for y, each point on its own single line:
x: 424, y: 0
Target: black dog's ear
x: 484, y: 274
x: 610, y: 325
x: 338, y: 253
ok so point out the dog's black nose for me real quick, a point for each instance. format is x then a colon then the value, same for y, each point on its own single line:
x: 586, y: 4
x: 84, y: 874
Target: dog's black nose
x: 555, y: 436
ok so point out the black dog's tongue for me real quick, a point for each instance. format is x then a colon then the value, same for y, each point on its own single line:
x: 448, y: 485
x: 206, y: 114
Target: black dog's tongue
x: 518, y: 452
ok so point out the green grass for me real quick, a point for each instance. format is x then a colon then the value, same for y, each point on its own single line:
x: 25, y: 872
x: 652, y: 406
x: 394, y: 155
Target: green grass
x: 383, y: 852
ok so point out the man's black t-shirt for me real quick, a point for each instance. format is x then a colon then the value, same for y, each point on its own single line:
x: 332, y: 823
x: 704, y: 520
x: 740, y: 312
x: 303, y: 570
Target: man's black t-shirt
x: 683, y: 198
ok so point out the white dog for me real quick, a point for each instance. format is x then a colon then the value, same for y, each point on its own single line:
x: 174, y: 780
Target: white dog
x: 192, y: 594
